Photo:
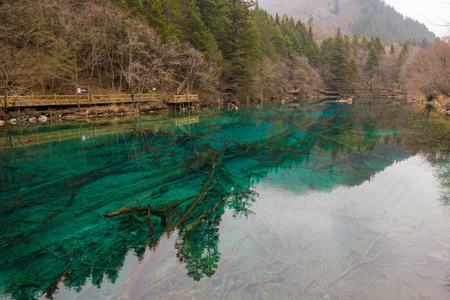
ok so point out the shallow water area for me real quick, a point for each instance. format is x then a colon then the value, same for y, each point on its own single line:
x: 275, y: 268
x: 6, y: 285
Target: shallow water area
x: 323, y: 202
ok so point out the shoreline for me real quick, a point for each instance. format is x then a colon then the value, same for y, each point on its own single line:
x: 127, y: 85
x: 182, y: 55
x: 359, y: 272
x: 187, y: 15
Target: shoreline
x: 26, y: 116
x: 441, y: 108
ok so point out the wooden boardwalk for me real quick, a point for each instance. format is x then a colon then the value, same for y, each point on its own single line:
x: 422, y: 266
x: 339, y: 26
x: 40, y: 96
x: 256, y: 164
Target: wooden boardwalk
x: 92, y: 99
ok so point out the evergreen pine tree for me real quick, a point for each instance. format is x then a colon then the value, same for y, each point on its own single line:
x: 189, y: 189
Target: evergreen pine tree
x: 405, y: 47
x: 154, y: 13
x: 214, y: 15
x: 194, y: 28
x: 123, y: 4
x: 355, y: 44
x: 312, y: 50
x: 402, y: 57
x: 372, y: 60
x: 264, y: 23
x: 135, y: 6
x: 376, y: 42
x: 352, y: 72
x: 175, y: 19
x: 325, y: 48
x: 392, y: 50
x: 299, y: 41
x: 209, y: 12
x: 277, y: 19
x: 338, y: 62
x: 287, y: 27
x: 425, y: 43
x: 239, y: 43
x: 364, y: 40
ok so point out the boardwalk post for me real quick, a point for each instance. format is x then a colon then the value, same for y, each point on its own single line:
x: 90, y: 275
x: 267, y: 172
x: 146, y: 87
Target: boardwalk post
x: 6, y: 101
x: 54, y: 96
x: 32, y: 98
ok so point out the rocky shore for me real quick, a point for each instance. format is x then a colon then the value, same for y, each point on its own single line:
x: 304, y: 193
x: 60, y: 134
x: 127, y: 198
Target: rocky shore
x: 442, y: 109
x: 22, y: 116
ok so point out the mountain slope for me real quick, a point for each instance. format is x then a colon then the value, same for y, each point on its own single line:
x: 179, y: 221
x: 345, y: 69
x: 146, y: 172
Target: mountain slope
x: 369, y: 17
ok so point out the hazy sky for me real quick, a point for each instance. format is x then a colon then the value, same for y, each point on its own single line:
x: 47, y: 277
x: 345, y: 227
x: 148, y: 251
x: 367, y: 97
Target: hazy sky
x: 433, y: 13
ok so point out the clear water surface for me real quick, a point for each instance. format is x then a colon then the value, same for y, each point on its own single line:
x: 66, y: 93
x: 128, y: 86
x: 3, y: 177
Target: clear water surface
x: 322, y: 202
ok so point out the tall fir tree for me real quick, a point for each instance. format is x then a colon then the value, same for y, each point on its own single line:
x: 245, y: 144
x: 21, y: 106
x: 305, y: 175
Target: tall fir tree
x: 154, y: 13
x: 338, y: 62
x: 392, y: 49
x: 123, y: 4
x: 136, y: 7
x: 376, y: 42
x: 264, y: 24
x: 214, y: 15
x: 175, y: 19
x: 279, y: 41
x: 355, y: 44
x: 239, y: 44
x: 195, y: 30
x: 352, y: 72
x: 402, y: 57
x: 372, y: 59
x: 326, y: 48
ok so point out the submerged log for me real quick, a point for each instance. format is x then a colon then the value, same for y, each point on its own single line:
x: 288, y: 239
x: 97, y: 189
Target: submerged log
x: 135, y: 209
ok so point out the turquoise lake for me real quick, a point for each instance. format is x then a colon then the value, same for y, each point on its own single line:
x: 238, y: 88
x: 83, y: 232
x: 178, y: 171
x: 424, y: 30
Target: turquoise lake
x: 329, y: 201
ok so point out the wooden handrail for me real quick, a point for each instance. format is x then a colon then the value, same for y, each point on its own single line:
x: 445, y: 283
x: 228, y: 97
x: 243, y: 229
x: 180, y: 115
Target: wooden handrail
x: 83, y: 99
x: 92, y: 99
x: 186, y: 98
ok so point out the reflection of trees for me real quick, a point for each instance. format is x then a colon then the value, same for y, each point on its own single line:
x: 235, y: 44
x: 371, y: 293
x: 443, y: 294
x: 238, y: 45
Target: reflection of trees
x: 81, y: 223
x: 197, y: 219
x: 443, y: 175
x: 432, y: 140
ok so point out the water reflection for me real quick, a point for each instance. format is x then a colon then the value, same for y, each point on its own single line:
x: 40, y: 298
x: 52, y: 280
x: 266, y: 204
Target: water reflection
x: 74, y: 207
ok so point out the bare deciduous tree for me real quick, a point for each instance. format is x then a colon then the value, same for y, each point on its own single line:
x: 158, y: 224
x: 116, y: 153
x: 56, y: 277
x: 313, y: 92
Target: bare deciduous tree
x: 145, y: 60
x: 429, y: 72
x: 203, y: 76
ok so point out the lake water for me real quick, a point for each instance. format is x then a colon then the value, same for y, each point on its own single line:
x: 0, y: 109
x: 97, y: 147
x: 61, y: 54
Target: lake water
x: 319, y: 202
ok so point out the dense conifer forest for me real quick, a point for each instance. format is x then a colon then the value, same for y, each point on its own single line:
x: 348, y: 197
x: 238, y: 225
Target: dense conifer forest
x: 230, y: 51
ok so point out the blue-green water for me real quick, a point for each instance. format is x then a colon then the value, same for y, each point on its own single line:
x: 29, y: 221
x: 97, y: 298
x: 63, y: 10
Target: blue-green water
x: 324, y: 202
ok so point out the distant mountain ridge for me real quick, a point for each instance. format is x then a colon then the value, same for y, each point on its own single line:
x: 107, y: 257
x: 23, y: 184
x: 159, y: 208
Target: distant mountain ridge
x: 368, y: 17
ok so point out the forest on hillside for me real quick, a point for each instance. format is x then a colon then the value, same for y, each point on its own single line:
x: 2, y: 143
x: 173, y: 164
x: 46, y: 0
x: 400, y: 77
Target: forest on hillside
x: 223, y: 47
x: 365, y: 17
x: 384, y: 21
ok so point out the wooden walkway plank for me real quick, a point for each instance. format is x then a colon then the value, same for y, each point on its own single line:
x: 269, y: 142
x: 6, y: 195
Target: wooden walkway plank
x: 93, y: 99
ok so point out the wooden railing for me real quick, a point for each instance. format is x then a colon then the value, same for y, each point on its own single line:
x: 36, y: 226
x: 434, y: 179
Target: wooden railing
x: 187, y: 98
x: 82, y: 99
